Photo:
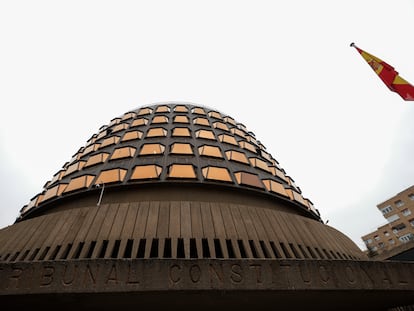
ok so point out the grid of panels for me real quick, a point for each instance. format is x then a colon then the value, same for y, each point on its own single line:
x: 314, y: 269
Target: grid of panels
x: 174, y: 142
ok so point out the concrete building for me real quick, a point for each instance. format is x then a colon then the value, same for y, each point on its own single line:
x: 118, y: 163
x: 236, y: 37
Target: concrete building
x: 180, y: 207
x: 399, y: 229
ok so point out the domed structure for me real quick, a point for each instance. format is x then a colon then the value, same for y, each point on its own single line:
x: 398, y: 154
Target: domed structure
x: 169, y: 199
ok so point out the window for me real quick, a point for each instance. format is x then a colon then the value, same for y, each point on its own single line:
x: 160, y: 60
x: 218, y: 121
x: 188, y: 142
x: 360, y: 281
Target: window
x: 205, y: 134
x: 101, y: 134
x: 159, y: 120
x: 181, y: 132
x: 132, y: 135
x: 215, y: 115
x: 381, y: 244
x: 53, y: 192
x: 157, y: 132
x: 114, y: 121
x: 33, y: 202
x: 152, y: 149
x: 97, y: 158
x: 129, y: 115
x: 386, y: 233
x: 124, y: 152
x: 230, y: 120
x: 58, y: 176
x: 201, y: 121
x: 393, y: 218
x: 391, y: 241
x: 411, y: 196
x: 216, y: 173
x: 77, y: 166
x: 227, y: 139
x: 411, y: 222
x: 119, y: 127
x: 238, y: 132
x: 274, y: 186
x: 92, y: 139
x: 242, y: 127
x: 406, y: 237
x: 181, y: 119
x: 267, y: 156
x: 146, y: 172
x: 139, y: 122
x: 399, y: 203
x: 237, y: 156
x: 398, y: 228
x: 406, y: 212
x: 256, y: 162
x: 79, y: 183
x: 368, y: 241
x: 180, y: 108
x: 248, y: 179
x: 247, y: 146
x: 251, y: 140
x: 296, y: 196
x: 144, y: 111
x: 376, y: 238
x: 181, y: 148
x: 162, y: 109
x: 277, y: 172
x: 181, y: 171
x: 90, y: 149
x: 211, y: 151
x: 198, y: 110
x: 109, y: 141
x: 110, y: 176
x: 221, y: 126
x: 386, y: 210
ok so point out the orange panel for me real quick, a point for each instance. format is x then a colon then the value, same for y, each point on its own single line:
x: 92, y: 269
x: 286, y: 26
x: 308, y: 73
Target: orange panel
x: 146, y: 172
x: 182, y: 171
x: 216, y: 173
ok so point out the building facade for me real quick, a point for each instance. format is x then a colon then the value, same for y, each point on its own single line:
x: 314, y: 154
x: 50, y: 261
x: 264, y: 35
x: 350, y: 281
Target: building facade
x: 399, y: 229
x: 177, y: 206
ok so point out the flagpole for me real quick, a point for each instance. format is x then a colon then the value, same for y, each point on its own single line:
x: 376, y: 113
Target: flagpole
x: 101, y: 195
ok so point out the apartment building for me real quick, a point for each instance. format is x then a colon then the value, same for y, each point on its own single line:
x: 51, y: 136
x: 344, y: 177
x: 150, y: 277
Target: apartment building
x: 399, y: 229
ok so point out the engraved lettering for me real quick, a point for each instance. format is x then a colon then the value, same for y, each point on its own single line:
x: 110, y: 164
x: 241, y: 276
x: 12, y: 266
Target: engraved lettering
x: 89, y: 277
x: 113, y: 275
x: 67, y: 281
x: 281, y: 275
x: 363, y: 268
x: 305, y: 273
x: 195, y: 273
x: 236, y: 273
x: 386, y: 278
x: 14, y: 278
x: 350, y: 275
x: 217, y: 272
x: 258, y: 270
x: 402, y: 277
x: 132, y: 275
x: 47, y: 276
x: 175, y: 272
x: 323, y: 273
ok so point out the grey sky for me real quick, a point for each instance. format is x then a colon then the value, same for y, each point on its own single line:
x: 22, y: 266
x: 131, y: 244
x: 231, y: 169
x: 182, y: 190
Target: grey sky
x: 282, y: 68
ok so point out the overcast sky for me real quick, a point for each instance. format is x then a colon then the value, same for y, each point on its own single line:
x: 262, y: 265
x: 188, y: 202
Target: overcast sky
x: 282, y: 68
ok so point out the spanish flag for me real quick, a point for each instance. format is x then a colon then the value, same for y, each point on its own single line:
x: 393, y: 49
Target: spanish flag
x: 388, y: 75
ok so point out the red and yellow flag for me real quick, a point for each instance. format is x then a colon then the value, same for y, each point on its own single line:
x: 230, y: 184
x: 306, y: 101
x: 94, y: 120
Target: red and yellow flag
x: 388, y: 75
